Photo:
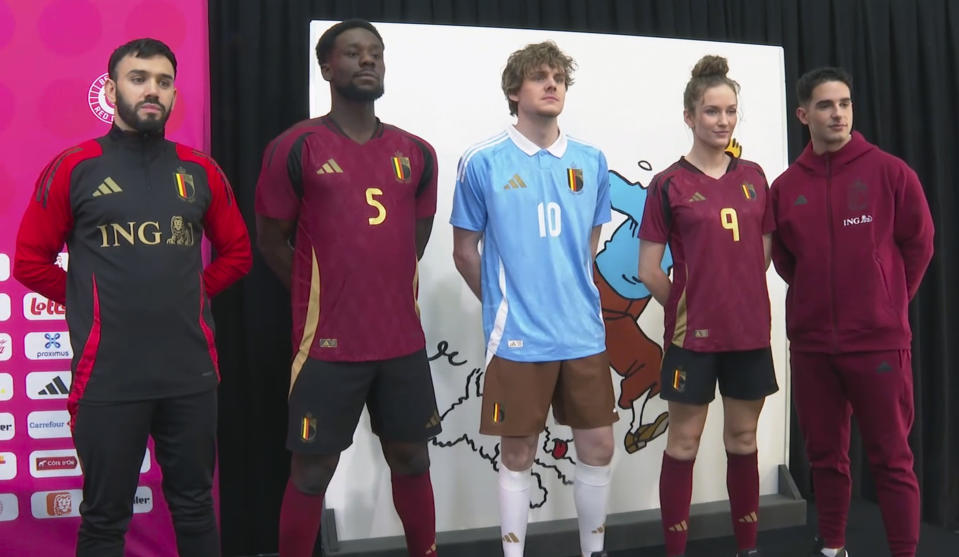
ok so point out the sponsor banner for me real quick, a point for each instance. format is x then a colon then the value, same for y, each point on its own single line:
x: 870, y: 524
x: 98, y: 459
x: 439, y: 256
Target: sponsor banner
x: 38, y: 308
x: 4, y: 267
x: 56, y: 463
x: 7, y: 426
x: 6, y: 386
x: 143, y: 500
x: 48, y: 384
x: 4, y: 307
x: 8, y: 466
x: 6, y: 347
x: 56, y: 504
x: 54, y: 345
x: 48, y: 424
x: 9, y: 507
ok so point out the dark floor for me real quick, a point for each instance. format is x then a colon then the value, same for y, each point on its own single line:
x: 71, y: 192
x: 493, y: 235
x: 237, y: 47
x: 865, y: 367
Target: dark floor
x: 865, y: 537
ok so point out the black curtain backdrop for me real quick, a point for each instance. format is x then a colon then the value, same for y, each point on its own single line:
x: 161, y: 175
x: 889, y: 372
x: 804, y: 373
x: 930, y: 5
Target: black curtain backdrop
x: 903, y: 54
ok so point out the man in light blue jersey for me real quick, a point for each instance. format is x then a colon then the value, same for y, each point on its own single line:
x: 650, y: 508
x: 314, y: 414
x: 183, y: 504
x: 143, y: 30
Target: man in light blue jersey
x: 537, y: 199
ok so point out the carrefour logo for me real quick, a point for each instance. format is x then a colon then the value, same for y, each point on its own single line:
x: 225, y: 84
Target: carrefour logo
x: 53, y: 345
x: 49, y: 424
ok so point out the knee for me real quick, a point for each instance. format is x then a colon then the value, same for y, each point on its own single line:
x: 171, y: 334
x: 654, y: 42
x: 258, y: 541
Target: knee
x: 740, y: 441
x: 407, y: 459
x: 683, y: 445
x: 312, y: 474
x: 517, y: 455
x: 597, y: 452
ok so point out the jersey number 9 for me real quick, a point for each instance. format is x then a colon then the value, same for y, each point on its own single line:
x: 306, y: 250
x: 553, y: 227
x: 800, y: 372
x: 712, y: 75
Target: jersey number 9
x: 380, y: 209
x: 730, y: 221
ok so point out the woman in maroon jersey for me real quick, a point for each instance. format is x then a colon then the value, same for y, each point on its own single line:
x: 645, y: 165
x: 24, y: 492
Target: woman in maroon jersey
x: 711, y: 209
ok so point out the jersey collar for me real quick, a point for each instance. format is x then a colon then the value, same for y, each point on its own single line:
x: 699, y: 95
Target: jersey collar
x: 557, y: 149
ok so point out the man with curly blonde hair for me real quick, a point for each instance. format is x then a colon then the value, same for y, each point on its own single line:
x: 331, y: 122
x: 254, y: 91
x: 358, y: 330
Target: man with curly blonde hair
x: 537, y: 198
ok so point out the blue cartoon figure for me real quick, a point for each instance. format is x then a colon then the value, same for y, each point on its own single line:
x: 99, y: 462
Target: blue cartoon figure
x: 632, y: 354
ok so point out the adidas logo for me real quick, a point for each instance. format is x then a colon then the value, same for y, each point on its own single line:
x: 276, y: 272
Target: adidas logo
x: 600, y: 530
x: 515, y: 183
x: 510, y: 538
x: 697, y: 197
x: 107, y: 187
x: 328, y: 343
x: 433, y: 421
x: 801, y: 200
x: 56, y: 387
x: 329, y: 167
x: 750, y: 518
x: 884, y: 367
x: 681, y: 527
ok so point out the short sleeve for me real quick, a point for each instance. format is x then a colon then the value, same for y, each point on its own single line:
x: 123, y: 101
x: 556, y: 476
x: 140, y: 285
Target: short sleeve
x: 655, y: 225
x: 276, y: 194
x: 469, y: 202
x: 603, y: 212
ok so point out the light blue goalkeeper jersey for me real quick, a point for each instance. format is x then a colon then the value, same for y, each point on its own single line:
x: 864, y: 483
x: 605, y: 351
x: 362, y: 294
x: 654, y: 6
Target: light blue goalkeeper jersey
x: 536, y: 208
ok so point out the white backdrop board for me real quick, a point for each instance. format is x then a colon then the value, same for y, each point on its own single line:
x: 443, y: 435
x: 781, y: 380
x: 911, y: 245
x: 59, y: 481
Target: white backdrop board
x: 443, y: 84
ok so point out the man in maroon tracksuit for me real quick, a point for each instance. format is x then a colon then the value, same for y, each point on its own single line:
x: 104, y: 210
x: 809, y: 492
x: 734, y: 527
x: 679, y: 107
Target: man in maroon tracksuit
x: 853, y: 239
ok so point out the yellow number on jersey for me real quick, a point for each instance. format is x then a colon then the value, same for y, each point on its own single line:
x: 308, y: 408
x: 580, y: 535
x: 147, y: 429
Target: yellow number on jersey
x: 730, y: 221
x: 380, y: 209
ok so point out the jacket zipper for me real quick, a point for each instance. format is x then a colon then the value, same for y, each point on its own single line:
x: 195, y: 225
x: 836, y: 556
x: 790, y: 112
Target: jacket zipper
x: 832, y: 254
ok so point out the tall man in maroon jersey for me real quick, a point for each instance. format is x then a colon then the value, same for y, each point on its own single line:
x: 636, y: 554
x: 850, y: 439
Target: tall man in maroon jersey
x: 853, y: 240
x: 132, y: 208
x: 360, y: 195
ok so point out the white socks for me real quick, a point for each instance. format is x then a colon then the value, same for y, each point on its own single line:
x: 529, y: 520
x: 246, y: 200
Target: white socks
x: 830, y: 552
x: 513, y: 509
x: 591, y: 493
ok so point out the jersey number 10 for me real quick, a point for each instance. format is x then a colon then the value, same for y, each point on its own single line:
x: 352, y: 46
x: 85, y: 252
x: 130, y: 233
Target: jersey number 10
x: 550, y: 219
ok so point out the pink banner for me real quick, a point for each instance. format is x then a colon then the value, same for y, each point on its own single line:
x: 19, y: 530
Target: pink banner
x: 53, y: 57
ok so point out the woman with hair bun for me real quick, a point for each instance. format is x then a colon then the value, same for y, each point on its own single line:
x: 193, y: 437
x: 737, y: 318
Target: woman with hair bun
x: 711, y: 209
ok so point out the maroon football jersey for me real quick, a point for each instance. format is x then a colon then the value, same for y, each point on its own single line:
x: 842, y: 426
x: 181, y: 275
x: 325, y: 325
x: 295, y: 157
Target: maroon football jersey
x: 354, y: 280
x: 714, y: 228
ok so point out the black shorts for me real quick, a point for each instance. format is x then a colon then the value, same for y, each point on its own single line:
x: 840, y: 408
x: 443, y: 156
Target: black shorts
x: 328, y: 398
x: 690, y: 377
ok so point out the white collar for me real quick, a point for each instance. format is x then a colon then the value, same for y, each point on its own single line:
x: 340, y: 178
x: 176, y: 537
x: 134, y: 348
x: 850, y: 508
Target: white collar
x: 557, y: 149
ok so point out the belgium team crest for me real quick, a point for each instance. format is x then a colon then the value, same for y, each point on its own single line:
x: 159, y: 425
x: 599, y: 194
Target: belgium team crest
x: 401, y: 168
x: 185, y: 189
x: 749, y: 191
x: 575, y: 178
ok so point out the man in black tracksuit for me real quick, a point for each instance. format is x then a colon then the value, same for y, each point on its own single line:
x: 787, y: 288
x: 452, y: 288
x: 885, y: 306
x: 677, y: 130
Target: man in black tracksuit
x: 132, y: 209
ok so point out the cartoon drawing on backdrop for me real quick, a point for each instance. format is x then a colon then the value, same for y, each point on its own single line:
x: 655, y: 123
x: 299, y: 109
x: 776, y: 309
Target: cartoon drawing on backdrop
x: 632, y: 354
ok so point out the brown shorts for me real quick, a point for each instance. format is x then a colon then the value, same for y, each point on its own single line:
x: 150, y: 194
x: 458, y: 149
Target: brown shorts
x: 517, y: 395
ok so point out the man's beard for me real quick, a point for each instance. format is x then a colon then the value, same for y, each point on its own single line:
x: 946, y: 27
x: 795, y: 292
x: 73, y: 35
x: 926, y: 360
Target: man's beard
x: 152, y: 124
x: 354, y: 93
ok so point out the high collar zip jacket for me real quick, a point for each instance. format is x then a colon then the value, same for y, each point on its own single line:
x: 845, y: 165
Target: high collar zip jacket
x: 853, y: 239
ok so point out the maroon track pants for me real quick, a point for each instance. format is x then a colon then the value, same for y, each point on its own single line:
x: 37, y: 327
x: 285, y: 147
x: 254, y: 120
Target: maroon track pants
x: 877, y: 387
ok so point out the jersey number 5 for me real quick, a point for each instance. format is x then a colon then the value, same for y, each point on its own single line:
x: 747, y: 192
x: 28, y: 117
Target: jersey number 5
x: 380, y: 209
x: 730, y: 221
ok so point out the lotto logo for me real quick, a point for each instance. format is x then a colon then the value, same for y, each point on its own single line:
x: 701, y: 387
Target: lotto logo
x: 9, y: 507
x: 4, y: 266
x: 6, y: 386
x: 36, y: 308
x: 6, y: 347
x: 8, y: 466
x: 4, y: 307
x: 56, y: 504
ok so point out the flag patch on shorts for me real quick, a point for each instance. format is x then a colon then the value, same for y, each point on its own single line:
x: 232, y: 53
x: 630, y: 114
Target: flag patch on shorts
x: 308, y: 428
x: 679, y: 380
x: 497, y: 413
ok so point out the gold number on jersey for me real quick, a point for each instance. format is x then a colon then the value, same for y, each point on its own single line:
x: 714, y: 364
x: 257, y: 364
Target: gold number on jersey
x: 730, y: 221
x: 380, y: 209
